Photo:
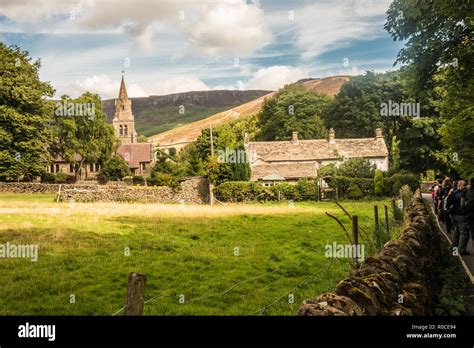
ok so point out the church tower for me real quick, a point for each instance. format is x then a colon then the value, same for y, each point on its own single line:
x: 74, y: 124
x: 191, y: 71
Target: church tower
x: 124, y: 121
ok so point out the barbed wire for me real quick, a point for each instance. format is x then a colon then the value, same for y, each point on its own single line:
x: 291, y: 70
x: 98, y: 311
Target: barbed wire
x: 261, y: 310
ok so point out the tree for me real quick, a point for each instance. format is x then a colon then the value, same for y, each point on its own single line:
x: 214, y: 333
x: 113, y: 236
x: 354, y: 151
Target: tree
x: 115, y: 168
x: 293, y: 108
x: 356, y: 167
x: 395, y: 155
x: 439, y: 54
x: 81, y: 134
x: 378, y: 183
x: 142, y: 139
x: 24, y: 115
x: 356, y: 113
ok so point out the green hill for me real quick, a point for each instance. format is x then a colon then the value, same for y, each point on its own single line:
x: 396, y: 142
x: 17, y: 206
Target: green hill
x: 157, y: 114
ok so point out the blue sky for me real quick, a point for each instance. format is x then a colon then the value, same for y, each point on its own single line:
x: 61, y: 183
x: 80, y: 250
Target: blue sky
x: 182, y: 45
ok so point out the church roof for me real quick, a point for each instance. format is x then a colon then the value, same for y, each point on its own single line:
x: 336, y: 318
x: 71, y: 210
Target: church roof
x: 123, y: 90
x: 136, y: 153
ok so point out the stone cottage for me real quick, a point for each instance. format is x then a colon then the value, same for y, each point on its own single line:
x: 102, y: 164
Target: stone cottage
x: 292, y: 160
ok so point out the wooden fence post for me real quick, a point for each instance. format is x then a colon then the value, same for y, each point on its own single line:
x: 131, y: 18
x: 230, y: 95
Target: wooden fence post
x: 376, y: 216
x: 355, y: 235
x: 386, y: 218
x: 135, y: 294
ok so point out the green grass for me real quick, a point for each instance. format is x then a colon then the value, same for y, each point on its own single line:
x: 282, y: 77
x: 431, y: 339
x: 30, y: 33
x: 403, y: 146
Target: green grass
x: 186, y: 251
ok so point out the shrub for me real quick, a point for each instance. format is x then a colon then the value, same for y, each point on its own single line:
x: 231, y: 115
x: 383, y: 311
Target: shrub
x: 48, y: 178
x: 163, y: 179
x: 138, y: 180
x: 71, y: 179
x: 354, y: 192
x: 102, y: 179
x: 393, y: 184
x: 116, y: 168
x: 378, y: 183
x: 61, y: 178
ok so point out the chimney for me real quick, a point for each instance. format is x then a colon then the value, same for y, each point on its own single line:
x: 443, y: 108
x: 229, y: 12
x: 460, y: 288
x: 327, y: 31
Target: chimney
x: 332, y: 136
x: 378, y: 133
x: 246, y: 138
x: 294, y: 137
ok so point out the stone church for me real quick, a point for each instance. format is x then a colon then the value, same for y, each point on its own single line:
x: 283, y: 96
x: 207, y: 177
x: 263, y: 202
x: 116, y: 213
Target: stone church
x: 139, y: 156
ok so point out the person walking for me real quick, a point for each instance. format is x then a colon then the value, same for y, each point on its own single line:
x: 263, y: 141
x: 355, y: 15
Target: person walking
x: 461, y: 227
x: 469, y: 208
x: 444, y: 213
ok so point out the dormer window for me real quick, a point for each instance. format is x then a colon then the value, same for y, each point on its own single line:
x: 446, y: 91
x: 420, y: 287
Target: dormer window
x: 126, y: 130
x: 121, y: 130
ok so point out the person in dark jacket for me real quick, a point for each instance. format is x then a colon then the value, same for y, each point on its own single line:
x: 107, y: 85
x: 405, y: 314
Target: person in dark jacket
x: 444, y: 196
x: 469, y: 208
x: 461, y: 227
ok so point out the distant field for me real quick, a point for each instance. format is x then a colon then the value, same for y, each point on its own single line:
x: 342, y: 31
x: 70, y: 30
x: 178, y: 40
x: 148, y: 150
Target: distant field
x: 183, y: 250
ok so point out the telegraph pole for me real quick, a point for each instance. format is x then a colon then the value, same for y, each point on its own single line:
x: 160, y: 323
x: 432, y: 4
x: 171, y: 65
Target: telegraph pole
x: 211, y: 185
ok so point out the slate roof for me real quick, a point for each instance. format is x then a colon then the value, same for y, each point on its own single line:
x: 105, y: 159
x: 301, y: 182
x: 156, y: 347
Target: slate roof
x: 299, y: 158
x: 137, y: 153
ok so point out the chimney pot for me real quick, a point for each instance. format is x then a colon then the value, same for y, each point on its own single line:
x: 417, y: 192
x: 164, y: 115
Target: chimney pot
x: 378, y: 133
x: 332, y: 136
x: 294, y: 136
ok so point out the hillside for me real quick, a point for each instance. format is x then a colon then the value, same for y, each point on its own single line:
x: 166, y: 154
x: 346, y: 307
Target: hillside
x: 157, y: 114
x: 183, y: 135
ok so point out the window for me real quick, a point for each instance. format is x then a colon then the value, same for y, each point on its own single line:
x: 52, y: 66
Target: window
x: 126, y: 130
x: 57, y: 168
x: 71, y: 168
x: 123, y: 108
x: 121, y: 130
x: 97, y: 167
x: 91, y: 167
x: 51, y: 168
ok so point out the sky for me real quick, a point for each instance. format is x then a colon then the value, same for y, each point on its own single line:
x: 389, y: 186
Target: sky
x: 172, y: 46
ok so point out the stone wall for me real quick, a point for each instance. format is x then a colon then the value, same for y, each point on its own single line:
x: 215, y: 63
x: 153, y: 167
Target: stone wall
x: 403, y: 279
x: 192, y: 191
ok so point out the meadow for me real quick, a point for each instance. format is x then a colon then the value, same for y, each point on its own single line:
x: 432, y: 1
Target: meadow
x: 234, y: 259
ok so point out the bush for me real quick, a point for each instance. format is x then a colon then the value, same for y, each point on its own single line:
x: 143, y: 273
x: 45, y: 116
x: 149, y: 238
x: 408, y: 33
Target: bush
x: 48, y: 178
x: 138, y: 180
x: 393, y: 184
x: 354, y: 192
x: 116, y: 168
x: 241, y: 191
x: 102, y: 179
x: 162, y: 179
x: 378, y: 183
x: 71, y: 179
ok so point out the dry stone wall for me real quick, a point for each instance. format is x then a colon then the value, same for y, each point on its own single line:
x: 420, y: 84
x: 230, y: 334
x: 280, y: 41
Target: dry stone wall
x: 402, y: 280
x: 192, y: 191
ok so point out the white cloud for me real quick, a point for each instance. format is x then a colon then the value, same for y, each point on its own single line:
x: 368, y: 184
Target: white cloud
x: 108, y: 88
x: 273, y: 78
x: 328, y: 25
x: 222, y: 27
x: 230, y: 28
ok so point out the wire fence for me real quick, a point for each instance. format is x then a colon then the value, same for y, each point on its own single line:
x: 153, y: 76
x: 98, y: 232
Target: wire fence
x: 233, y: 286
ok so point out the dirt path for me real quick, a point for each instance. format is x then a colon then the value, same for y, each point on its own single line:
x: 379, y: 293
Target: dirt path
x: 467, y: 261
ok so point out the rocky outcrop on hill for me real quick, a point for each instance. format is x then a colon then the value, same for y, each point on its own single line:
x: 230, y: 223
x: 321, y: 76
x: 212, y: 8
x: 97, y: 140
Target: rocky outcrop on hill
x: 402, y: 280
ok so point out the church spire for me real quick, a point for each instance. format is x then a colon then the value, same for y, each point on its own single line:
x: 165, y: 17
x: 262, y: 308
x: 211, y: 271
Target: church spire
x: 123, y: 91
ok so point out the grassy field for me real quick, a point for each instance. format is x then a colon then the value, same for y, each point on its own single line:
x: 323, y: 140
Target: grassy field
x: 183, y: 250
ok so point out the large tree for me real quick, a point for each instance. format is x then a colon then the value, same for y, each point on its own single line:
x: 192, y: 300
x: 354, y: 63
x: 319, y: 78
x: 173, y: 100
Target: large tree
x: 356, y: 112
x: 85, y: 133
x: 293, y: 108
x: 24, y: 115
x: 439, y: 55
